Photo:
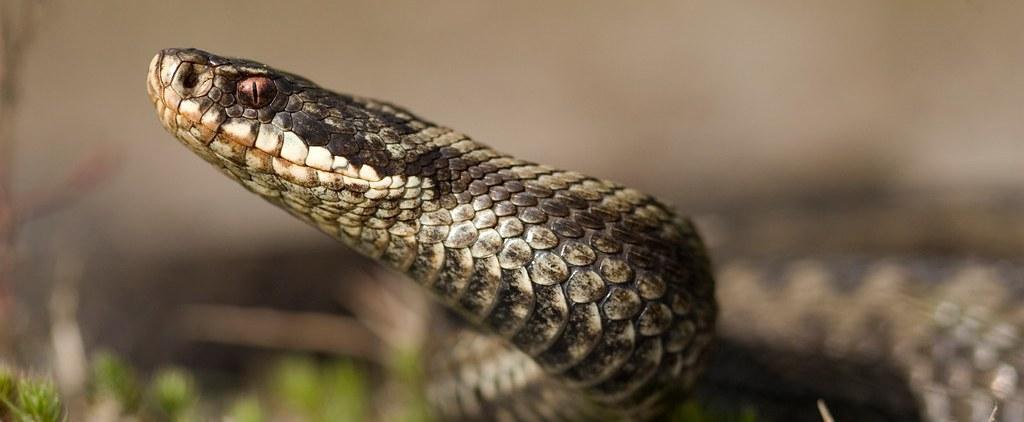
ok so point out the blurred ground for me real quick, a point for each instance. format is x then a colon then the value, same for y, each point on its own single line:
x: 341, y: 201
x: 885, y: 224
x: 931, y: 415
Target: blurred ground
x: 700, y: 103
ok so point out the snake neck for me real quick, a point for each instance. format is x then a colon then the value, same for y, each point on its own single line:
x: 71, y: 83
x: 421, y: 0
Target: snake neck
x: 386, y: 216
x: 604, y: 287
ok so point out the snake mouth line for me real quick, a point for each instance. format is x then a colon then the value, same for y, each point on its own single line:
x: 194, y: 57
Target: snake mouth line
x: 202, y: 124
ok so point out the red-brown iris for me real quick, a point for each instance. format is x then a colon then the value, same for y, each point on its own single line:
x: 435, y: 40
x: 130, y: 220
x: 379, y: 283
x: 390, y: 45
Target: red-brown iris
x: 256, y: 91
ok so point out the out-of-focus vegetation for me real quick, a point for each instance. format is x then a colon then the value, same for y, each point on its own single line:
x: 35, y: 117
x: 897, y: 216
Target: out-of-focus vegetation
x: 296, y: 388
x: 320, y: 393
x: 691, y: 411
x: 28, y: 399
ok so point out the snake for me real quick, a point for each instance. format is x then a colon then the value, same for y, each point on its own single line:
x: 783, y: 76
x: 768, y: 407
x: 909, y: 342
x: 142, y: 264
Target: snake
x: 578, y: 298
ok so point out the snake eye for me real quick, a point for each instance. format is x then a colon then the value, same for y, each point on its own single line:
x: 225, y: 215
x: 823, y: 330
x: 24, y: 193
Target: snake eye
x: 256, y: 91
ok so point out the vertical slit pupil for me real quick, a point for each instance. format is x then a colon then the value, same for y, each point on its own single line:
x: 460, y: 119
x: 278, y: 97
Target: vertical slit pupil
x: 255, y: 93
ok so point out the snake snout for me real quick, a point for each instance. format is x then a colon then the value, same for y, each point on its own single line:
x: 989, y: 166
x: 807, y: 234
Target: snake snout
x: 179, y: 84
x: 153, y: 76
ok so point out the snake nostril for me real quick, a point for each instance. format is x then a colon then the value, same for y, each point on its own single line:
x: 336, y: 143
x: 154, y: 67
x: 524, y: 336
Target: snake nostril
x: 190, y: 79
x: 256, y: 91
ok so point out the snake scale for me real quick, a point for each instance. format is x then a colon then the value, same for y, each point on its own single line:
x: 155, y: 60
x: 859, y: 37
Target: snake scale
x: 587, y: 299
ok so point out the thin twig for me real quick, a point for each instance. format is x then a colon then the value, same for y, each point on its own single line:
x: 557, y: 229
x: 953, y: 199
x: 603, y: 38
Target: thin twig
x: 86, y: 176
x: 823, y: 409
x: 264, y: 327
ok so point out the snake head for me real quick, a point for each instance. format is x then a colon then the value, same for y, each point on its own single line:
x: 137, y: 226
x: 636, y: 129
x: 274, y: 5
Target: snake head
x: 243, y: 114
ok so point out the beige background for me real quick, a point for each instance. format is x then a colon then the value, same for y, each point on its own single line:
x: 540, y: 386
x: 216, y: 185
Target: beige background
x: 692, y: 101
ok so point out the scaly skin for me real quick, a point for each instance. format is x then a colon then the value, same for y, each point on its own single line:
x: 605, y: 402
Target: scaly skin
x: 888, y: 303
x: 878, y: 338
x: 945, y: 330
x: 591, y: 300
x: 603, y: 287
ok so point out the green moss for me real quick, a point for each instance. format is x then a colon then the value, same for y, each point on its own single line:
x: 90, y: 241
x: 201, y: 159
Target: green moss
x: 24, y: 399
x: 346, y: 392
x: 8, y: 383
x: 113, y: 378
x: 406, y: 367
x: 299, y: 388
x: 38, y: 402
x: 336, y: 392
x: 692, y: 411
x: 174, y: 394
x: 295, y: 381
x: 246, y: 409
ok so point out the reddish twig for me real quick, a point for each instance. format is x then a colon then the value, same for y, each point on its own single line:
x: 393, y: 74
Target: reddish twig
x: 84, y: 178
x: 16, y: 29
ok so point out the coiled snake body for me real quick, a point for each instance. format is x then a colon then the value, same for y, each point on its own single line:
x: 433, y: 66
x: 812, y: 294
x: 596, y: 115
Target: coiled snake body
x: 596, y: 299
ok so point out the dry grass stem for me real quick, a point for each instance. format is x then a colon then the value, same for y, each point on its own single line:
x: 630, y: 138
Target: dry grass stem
x: 826, y: 416
x: 263, y: 327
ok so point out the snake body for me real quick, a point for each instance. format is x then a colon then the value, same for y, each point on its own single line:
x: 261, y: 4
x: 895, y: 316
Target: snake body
x: 605, y: 288
x: 587, y: 299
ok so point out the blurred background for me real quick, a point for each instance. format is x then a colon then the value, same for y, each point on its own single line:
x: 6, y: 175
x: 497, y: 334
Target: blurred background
x: 708, y: 105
